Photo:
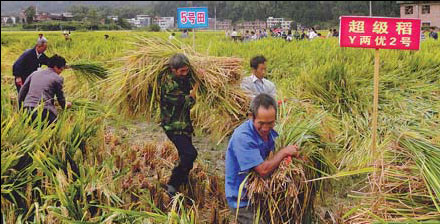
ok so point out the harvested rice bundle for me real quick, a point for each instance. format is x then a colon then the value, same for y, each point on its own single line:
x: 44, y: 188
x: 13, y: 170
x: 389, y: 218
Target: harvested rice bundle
x: 137, y: 92
x: 91, y: 71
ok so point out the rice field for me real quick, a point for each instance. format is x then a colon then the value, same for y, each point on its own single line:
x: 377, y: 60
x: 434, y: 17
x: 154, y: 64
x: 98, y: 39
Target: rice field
x: 106, y: 157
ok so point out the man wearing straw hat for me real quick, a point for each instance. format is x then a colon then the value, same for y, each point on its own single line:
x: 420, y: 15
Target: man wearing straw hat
x: 29, y: 62
x: 176, y: 100
x: 248, y: 148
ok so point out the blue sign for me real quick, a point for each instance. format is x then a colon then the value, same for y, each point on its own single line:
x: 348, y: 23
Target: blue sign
x: 193, y: 17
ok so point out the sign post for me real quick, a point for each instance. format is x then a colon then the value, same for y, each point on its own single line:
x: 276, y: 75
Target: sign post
x: 378, y: 33
x: 192, y: 18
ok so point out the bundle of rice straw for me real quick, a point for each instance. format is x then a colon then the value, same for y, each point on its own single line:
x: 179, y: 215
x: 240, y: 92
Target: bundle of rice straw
x: 91, y: 71
x: 220, y: 103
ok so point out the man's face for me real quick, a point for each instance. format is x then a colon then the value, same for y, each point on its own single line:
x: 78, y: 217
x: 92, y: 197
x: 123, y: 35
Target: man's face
x: 42, y: 48
x: 261, y: 70
x: 265, y: 121
x: 181, y: 72
x: 58, y: 70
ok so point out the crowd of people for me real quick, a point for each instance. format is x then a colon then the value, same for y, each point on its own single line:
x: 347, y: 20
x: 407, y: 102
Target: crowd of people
x: 288, y: 35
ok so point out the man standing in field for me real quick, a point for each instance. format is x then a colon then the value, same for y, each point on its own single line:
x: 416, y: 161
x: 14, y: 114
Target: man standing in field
x: 29, y: 62
x: 248, y: 148
x: 176, y: 100
x: 256, y: 83
x: 433, y: 34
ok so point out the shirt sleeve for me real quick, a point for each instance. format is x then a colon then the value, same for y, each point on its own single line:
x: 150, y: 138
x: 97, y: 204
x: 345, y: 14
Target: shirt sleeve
x: 18, y: 67
x: 24, y: 91
x: 44, y: 59
x: 60, y: 93
x: 273, y: 91
x: 247, y: 152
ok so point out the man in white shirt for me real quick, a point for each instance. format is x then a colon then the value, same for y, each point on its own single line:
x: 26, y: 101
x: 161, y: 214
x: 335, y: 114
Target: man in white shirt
x: 256, y: 83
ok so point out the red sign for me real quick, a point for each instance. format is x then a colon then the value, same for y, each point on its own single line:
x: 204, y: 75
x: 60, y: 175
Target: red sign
x: 379, y: 32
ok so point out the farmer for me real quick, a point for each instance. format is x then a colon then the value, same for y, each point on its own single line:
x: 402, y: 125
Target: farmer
x: 433, y: 34
x: 177, y: 96
x: 256, y: 83
x: 43, y: 86
x: 40, y: 36
x: 248, y: 149
x: 29, y: 62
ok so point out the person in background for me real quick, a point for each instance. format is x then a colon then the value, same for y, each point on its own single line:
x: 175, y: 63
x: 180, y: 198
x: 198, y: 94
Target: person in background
x: 312, y: 33
x: 106, y: 36
x: 43, y: 86
x: 40, y: 36
x: 289, y: 36
x: 330, y: 33
x: 433, y: 34
x: 335, y: 33
x: 29, y: 62
x: 184, y: 33
x: 256, y: 83
x: 296, y: 35
x: 171, y: 37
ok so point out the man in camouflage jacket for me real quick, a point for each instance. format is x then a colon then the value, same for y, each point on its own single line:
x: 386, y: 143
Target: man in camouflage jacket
x: 176, y: 100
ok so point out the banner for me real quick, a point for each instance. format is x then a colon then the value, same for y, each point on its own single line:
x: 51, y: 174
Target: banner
x: 379, y: 32
x: 194, y: 17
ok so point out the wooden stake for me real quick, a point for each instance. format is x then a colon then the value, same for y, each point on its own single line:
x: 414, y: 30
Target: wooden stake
x: 194, y: 39
x: 375, y: 102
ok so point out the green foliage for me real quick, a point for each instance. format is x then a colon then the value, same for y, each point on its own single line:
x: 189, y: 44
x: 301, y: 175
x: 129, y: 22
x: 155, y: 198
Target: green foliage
x: 154, y: 28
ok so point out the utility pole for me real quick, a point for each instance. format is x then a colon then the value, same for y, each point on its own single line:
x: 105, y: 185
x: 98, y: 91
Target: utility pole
x: 371, y: 10
x: 215, y: 18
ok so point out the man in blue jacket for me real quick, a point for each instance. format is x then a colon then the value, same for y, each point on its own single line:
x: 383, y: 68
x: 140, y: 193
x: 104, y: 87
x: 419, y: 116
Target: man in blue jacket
x: 29, y: 62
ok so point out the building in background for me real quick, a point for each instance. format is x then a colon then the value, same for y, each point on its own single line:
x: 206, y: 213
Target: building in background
x: 114, y: 18
x: 251, y: 25
x: 224, y: 24
x: 164, y: 22
x: 273, y: 22
x: 9, y: 20
x: 427, y: 11
x: 144, y: 20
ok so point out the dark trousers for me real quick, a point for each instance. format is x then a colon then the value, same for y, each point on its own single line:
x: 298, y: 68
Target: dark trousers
x: 187, y: 155
x: 51, y: 117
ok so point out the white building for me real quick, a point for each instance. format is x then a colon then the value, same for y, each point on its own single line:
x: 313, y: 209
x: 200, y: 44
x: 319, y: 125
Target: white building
x: 114, y: 18
x: 134, y: 22
x: 10, y: 19
x: 144, y: 20
x: 271, y: 22
x: 164, y: 22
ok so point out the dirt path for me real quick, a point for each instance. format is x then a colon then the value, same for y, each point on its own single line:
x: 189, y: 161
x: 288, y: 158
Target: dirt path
x: 139, y: 132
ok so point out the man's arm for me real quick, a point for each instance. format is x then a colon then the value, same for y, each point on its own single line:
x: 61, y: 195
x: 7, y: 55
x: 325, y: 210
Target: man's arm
x: 24, y: 91
x: 59, y: 93
x: 269, y: 165
x: 19, y: 65
x: 273, y: 91
x: 44, y: 59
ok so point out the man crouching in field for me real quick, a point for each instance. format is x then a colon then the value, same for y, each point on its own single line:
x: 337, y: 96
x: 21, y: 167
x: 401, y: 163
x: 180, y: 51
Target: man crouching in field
x: 248, y: 149
x: 177, y: 96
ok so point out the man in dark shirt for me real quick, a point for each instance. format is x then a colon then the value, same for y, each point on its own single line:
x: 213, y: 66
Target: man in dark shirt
x: 433, y: 34
x: 29, y: 62
x: 176, y: 100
